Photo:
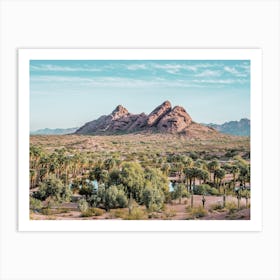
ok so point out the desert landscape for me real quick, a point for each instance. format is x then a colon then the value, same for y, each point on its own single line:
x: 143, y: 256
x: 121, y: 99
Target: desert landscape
x: 162, y: 165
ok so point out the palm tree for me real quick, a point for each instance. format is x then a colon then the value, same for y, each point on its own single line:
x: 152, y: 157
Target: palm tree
x: 32, y: 178
x: 219, y: 174
x: 202, y: 175
x: 235, y: 172
x: 165, y: 169
x: 212, y: 166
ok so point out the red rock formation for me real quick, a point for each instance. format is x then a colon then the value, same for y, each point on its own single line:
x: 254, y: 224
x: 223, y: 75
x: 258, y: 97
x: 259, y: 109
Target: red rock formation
x: 177, y: 120
x: 160, y: 111
x: 162, y: 119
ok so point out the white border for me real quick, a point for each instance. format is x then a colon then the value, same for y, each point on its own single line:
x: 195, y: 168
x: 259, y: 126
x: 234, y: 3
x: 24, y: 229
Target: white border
x: 254, y: 55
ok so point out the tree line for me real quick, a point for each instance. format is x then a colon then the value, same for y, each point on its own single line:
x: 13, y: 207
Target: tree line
x: 56, y: 176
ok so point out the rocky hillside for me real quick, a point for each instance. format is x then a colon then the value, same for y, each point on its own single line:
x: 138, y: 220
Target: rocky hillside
x: 239, y: 128
x: 163, y: 119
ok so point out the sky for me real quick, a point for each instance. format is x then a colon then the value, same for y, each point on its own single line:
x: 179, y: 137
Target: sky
x: 68, y: 93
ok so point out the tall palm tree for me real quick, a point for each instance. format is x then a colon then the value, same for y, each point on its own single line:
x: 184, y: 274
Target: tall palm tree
x: 219, y: 174
x: 235, y: 172
x: 32, y: 178
x: 212, y: 166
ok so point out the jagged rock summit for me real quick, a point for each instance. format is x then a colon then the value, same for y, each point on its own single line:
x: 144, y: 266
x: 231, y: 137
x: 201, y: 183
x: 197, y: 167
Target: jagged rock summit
x: 119, y: 112
x: 163, y: 119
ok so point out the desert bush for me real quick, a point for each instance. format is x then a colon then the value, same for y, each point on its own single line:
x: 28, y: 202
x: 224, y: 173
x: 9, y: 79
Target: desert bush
x: 46, y: 211
x: 118, y: 213
x: 217, y: 206
x: 231, y: 207
x: 97, y: 211
x: 90, y: 212
x: 170, y: 213
x: 83, y: 205
x: 137, y: 214
x: 35, y: 204
x: 122, y: 199
x: 245, y: 193
x: 198, y: 212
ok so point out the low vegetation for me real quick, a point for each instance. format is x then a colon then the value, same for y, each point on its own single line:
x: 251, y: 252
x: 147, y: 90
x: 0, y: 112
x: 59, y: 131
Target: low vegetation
x: 137, y: 176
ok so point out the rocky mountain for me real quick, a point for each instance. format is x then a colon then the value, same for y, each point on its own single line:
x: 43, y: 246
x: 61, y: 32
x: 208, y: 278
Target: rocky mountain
x: 163, y: 119
x: 239, y: 128
x: 54, y: 131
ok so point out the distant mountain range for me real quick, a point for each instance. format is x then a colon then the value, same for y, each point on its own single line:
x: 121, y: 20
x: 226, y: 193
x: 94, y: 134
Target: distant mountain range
x: 163, y: 119
x: 239, y: 128
x: 54, y: 131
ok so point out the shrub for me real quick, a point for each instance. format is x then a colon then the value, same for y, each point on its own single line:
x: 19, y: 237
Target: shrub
x: 83, y: 205
x: 118, y: 213
x: 47, y: 211
x: 97, y: 211
x: 217, y: 206
x: 231, y: 206
x: 122, y: 200
x: 90, y: 212
x: 35, y: 204
x: 198, y: 212
x: 137, y: 214
x: 245, y: 193
x: 205, y: 189
x: 170, y: 213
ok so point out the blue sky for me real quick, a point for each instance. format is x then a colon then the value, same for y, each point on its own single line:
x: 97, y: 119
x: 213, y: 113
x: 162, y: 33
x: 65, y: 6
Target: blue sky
x: 68, y: 93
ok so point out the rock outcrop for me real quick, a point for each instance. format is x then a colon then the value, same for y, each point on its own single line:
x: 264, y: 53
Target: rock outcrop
x: 177, y: 120
x: 157, y: 114
x: 163, y: 119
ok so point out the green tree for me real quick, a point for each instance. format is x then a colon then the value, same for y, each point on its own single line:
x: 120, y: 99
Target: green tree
x: 179, y: 192
x: 132, y: 178
x: 157, y: 179
x: 153, y: 198
x: 115, y: 198
x: 212, y: 166
x: 54, y: 189
x: 219, y: 174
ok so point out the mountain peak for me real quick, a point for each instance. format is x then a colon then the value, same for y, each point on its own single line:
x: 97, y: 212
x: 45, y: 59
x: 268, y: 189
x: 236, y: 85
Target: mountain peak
x: 166, y: 103
x: 120, y: 111
x: 155, y: 116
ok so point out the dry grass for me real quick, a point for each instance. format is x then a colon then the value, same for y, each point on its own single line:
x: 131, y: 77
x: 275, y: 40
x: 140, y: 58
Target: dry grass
x: 139, y: 145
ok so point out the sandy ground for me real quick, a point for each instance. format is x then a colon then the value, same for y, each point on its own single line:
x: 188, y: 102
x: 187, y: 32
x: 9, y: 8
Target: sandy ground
x: 178, y: 209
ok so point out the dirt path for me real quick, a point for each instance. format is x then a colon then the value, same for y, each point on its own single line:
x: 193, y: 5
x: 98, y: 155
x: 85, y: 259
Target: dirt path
x: 178, y: 210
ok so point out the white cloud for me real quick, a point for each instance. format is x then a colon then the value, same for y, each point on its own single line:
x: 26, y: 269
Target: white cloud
x: 110, y: 82
x: 221, y: 81
x: 209, y: 73
x: 137, y: 67
x: 174, y: 68
x: 56, y: 68
x: 234, y: 71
